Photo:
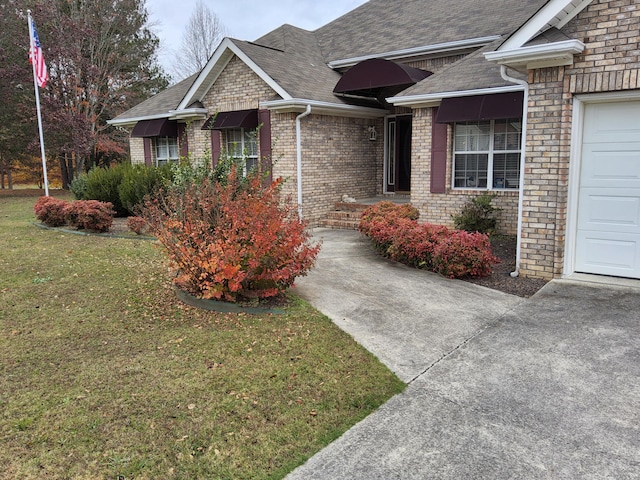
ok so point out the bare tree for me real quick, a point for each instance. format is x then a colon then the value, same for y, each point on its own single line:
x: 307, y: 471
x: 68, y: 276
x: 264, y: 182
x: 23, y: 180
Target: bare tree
x: 200, y: 39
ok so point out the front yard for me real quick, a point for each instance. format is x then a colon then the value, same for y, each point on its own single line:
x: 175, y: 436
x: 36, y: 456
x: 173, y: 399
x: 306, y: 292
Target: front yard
x: 106, y: 375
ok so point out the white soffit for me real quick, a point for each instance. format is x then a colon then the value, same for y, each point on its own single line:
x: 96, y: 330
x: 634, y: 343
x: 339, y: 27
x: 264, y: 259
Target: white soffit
x: 223, y: 55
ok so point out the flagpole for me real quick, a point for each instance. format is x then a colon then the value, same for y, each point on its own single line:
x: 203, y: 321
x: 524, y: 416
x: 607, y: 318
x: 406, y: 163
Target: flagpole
x: 35, y: 85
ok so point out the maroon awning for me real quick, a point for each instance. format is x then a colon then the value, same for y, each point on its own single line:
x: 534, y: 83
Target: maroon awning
x: 367, y: 78
x: 235, y: 119
x: 480, y: 107
x: 160, y: 127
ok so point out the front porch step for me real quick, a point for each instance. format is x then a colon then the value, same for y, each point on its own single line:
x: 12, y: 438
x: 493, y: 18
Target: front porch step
x: 345, y: 216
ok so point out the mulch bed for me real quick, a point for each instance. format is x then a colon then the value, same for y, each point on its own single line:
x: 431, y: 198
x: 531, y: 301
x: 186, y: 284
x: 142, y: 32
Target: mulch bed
x: 505, y: 249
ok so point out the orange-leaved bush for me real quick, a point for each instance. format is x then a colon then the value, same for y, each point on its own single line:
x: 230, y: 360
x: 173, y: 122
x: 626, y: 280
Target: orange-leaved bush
x: 231, y: 240
x: 396, y: 233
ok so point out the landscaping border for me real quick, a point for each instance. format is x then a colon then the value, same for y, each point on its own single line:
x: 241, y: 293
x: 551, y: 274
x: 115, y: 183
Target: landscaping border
x: 97, y: 234
x: 223, y: 307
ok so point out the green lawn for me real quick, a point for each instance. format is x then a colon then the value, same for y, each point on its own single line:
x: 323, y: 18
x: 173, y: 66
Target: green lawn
x: 104, y: 374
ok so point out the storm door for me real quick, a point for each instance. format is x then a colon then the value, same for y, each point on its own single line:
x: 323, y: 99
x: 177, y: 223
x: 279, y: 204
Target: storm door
x: 398, y: 155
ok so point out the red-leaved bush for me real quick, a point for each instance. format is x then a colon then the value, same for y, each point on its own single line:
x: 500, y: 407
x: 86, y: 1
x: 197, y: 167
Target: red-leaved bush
x: 231, y: 240
x: 137, y: 225
x: 396, y: 233
x: 380, y: 220
x: 50, y: 211
x: 89, y: 215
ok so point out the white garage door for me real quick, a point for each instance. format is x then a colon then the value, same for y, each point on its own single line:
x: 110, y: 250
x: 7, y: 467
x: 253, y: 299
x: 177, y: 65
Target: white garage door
x: 608, y: 237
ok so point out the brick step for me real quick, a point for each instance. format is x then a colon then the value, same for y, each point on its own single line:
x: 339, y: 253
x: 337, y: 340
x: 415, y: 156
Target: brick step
x: 339, y: 224
x: 345, y: 216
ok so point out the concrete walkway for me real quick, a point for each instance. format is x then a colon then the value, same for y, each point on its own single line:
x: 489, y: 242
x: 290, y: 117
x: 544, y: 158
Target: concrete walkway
x: 499, y: 386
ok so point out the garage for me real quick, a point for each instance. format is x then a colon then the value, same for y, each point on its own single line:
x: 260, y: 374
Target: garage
x: 608, y: 220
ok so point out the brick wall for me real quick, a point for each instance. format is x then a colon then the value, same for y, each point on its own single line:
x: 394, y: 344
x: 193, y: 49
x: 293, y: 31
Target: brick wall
x: 337, y: 158
x: 438, y: 207
x: 136, y: 146
x: 610, y: 62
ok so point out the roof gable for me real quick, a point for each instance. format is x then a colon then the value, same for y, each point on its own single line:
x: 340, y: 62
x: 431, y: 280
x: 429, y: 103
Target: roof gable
x: 218, y: 61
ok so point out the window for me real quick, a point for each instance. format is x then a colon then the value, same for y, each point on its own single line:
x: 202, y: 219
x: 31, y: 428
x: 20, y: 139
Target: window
x: 166, y: 150
x: 242, y: 144
x: 486, y: 154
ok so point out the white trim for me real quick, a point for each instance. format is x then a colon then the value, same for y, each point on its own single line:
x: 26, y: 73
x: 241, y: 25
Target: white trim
x: 221, y: 55
x: 538, y: 56
x: 433, y: 99
x: 133, y: 121
x: 542, y: 21
x: 575, y: 167
x: 447, y: 47
x: 573, y: 188
x: 189, y: 114
x: 299, y: 105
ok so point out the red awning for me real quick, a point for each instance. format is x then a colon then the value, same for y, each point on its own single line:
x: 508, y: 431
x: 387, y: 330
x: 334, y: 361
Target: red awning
x: 235, y: 119
x: 369, y: 77
x: 480, y: 107
x: 160, y: 127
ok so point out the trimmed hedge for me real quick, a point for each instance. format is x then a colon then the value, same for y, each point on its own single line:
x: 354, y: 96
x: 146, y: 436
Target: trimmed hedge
x: 81, y: 214
x: 395, y: 233
x: 50, y: 211
x: 89, y: 215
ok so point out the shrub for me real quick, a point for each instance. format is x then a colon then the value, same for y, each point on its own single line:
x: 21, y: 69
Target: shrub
x: 413, y: 244
x: 103, y: 184
x: 138, y: 225
x: 89, y: 215
x: 141, y: 180
x: 78, y: 187
x: 50, y: 211
x: 231, y: 240
x: 460, y: 254
x: 378, y: 222
x: 477, y: 215
x: 452, y: 253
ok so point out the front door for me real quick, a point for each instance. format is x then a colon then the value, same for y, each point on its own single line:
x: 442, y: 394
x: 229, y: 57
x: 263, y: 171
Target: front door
x: 398, y: 155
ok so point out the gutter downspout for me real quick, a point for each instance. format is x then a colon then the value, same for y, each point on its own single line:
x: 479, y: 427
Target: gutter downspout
x: 525, y: 110
x: 299, y: 158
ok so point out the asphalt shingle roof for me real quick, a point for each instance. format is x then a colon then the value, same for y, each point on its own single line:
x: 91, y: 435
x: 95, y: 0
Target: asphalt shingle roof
x: 380, y: 26
x: 162, y: 102
x: 470, y: 73
x: 292, y: 57
x: 297, y: 59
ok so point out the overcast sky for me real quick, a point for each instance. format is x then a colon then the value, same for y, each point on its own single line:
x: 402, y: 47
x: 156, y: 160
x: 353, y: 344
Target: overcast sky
x: 244, y: 19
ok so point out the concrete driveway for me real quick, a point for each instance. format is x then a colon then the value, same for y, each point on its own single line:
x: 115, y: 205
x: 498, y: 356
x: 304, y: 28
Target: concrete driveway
x: 499, y: 387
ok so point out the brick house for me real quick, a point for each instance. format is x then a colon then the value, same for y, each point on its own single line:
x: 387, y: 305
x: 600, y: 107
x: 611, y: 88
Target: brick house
x: 537, y: 102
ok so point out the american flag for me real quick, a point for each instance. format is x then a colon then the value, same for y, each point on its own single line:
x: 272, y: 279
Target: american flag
x: 37, y: 58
